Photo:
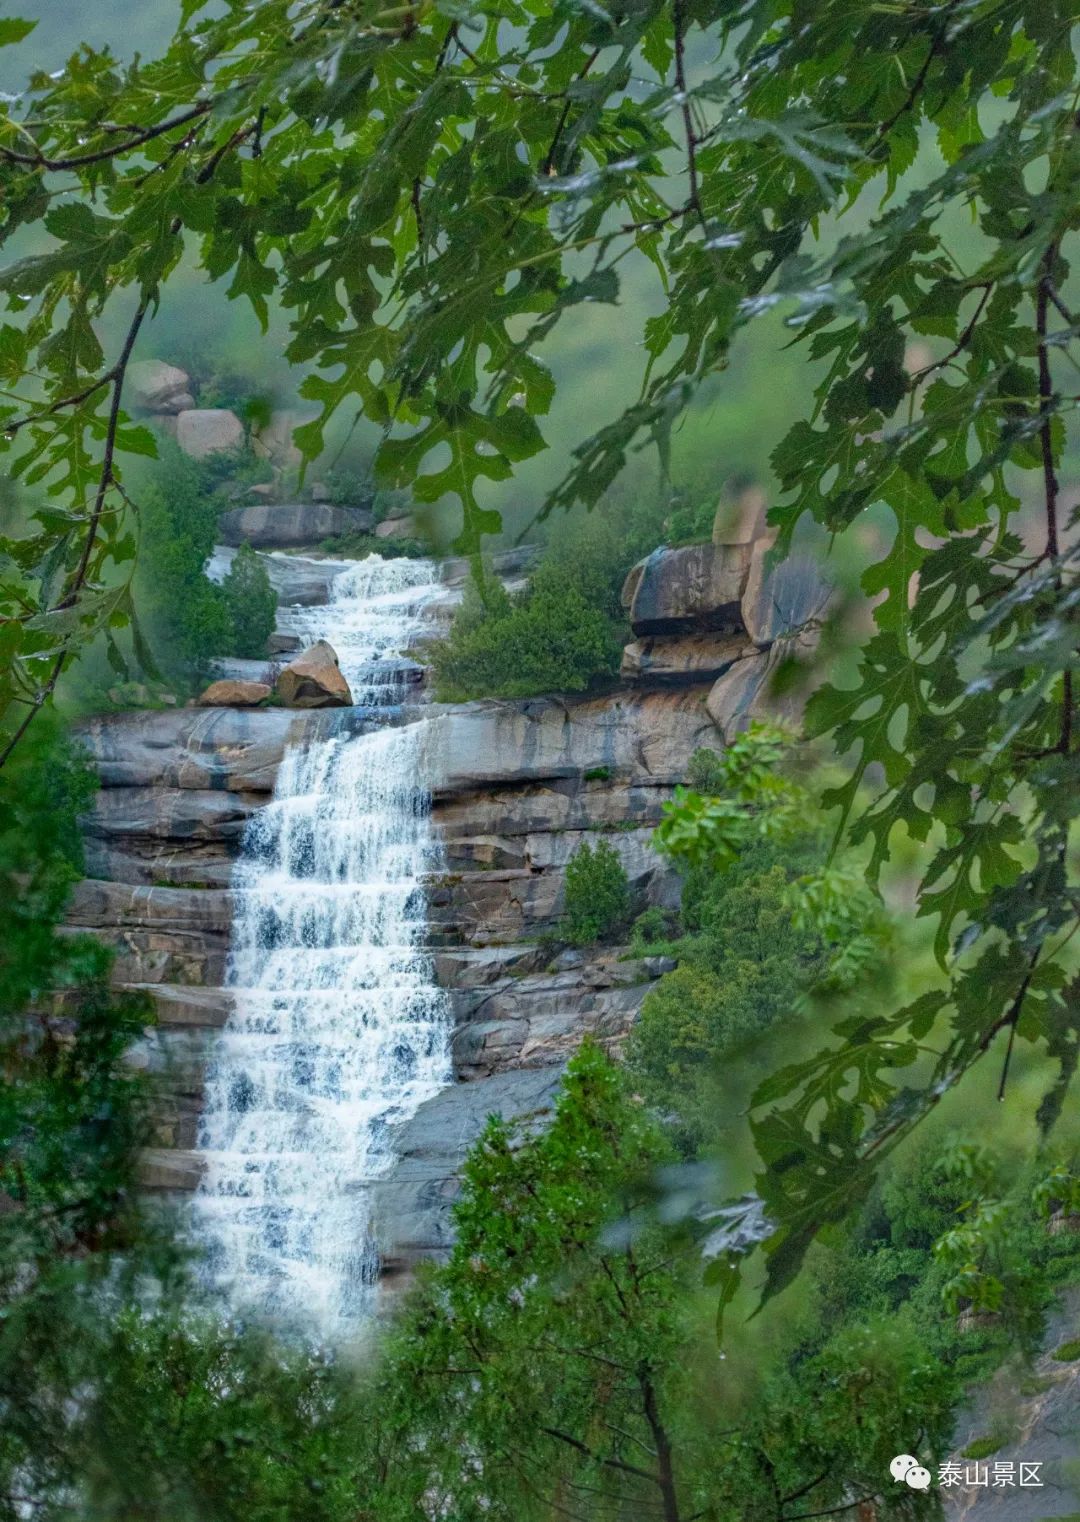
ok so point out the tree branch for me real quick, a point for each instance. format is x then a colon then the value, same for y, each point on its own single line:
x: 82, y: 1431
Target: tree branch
x: 608, y: 1462
x: 78, y: 161
x: 684, y: 105
x: 1046, y: 394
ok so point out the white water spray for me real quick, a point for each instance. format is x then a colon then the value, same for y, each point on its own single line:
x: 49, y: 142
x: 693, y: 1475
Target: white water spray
x: 338, y: 1030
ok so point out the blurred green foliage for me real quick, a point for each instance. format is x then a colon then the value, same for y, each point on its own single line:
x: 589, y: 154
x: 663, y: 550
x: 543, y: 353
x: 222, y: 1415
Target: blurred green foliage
x: 250, y: 602
x: 190, y: 620
x: 743, y: 967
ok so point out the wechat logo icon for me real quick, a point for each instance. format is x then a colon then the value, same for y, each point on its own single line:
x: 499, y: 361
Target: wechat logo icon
x: 908, y: 1469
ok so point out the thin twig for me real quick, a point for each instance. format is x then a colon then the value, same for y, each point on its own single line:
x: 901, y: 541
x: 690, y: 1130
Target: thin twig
x: 105, y: 481
x: 962, y: 342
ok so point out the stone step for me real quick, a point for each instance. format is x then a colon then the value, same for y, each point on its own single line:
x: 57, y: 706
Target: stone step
x: 180, y: 1007
x: 168, y: 1170
x: 97, y: 904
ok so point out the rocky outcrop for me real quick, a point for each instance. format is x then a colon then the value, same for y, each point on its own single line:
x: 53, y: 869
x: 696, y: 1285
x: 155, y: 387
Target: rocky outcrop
x: 733, y: 613
x: 232, y: 749
x: 751, y: 690
x: 314, y: 680
x: 397, y: 528
x: 1038, y: 1421
x: 413, y: 1202
x: 285, y: 525
x: 673, y: 660
x: 538, y: 1019
x: 233, y: 692
x: 645, y: 735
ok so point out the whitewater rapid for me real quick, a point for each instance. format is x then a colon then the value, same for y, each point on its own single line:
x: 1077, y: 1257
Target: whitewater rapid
x: 337, y: 1029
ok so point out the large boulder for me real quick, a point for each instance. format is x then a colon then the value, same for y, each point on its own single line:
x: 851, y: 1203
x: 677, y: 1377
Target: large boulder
x: 275, y: 441
x: 231, y: 692
x: 697, y: 587
x: 781, y: 596
x: 284, y: 525
x: 314, y: 680
x: 756, y: 688
x: 203, y: 431
x: 154, y: 386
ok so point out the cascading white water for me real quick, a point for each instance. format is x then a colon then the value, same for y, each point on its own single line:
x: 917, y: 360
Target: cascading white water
x: 337, y: 1030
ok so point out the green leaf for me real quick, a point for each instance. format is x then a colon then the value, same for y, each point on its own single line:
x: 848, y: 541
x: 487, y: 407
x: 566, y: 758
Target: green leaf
x: 13, y: 29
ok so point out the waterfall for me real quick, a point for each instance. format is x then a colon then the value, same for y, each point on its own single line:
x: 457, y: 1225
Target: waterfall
x: 337, y: 1029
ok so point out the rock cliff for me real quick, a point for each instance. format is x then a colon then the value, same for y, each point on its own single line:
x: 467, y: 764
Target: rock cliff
x: 516, y: 788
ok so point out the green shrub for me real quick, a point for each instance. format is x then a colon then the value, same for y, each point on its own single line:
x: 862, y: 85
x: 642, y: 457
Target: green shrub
x: 251, y: 602
x: 654, y: 928
x: 564, y: 632
x: 597, y: 894
x: 705, y: 773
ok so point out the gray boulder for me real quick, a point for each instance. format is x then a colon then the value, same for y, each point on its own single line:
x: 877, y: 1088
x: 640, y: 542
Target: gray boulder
x: 285, y: 525
x: 781, y: 596
x: 153, y: 386
x: 203, y: 431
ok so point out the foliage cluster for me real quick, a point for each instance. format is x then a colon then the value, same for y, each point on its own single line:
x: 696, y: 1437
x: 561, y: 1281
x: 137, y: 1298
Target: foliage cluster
x: 358, y: 488
x: 250, y: 604
x: 71, y: 1111
x: 564, y: 632
x: 189, y: 619
x: 558, y: 1341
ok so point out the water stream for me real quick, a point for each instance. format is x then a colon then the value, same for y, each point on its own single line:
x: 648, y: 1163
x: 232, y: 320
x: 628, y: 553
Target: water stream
x: 337, y: 1030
